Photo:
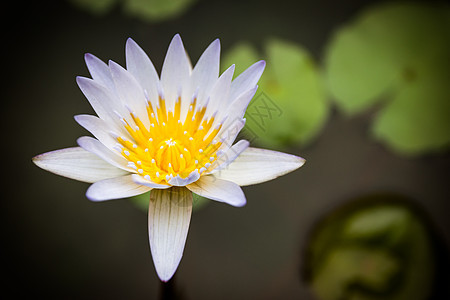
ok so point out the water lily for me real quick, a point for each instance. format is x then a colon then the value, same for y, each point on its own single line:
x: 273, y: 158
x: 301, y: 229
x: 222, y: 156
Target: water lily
x: 172, y: 135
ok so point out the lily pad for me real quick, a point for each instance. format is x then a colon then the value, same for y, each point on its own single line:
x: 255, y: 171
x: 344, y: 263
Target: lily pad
x: 398, y: 54
x: 378, y: 247
x: 290, y: 106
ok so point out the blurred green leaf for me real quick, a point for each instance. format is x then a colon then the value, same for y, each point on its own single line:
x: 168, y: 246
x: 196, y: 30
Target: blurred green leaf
x: 398, y: 53
x: 95, y: 6
x: 376, y: 249
x: 157, y: 10
x: 148, y: 10
x: 242, y: 56
x: 141, y: 201
x: 290, y: 106
x: 418, y: 117
x: 375, y: 269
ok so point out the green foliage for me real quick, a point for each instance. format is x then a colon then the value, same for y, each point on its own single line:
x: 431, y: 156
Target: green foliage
x: 377, y: 249
x: 95, y: 6
x: 290, y: 106
x: 156, y: 10
x: 147, y: 10
x: 398, y: 53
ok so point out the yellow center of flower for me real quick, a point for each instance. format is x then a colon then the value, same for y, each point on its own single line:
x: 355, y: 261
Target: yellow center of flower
x: 169, y: 146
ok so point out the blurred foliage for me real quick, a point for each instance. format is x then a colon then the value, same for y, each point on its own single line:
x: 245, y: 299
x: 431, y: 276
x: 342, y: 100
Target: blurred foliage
x: 290, y: 106
x: 147, y: 10
x: 375, y: 248
x: 157, y: 10
x: 142, y: 201
x: 397, y: 55
x: 95, y: 6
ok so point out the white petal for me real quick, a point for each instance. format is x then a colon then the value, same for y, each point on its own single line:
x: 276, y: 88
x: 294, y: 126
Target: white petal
x: 115, y: 188
x: 169, y: 215
x: 99, y: 71
x: 220, y: 190
x: 221, y: 91
x: 178, y: 181
x: 205, y: 72
x: 140, y: 65
x: 229, y: 132
x: 141, y: 180
x: 175, y: 71
x: 130, y: 91
x: 259, y: 165
x: 94, y: 146
x: 77, y: 163
x: 98, y: 128
x: 103, y: 101
x: 228, y: 157
x: 247, y: 79
x: 238, y: 107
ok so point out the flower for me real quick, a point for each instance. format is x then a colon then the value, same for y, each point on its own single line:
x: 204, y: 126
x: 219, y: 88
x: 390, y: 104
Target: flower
x: 172, y: 135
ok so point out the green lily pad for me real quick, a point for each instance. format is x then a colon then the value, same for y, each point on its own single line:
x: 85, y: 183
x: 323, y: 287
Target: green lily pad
x: 373, y: 268
x: 290, y: 106
x: 142, y: 201
x: 418, y: 117
x: 398, y: 54
x: 375, y: 248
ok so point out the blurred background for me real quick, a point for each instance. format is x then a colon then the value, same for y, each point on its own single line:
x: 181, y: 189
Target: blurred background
x: 358, y: 88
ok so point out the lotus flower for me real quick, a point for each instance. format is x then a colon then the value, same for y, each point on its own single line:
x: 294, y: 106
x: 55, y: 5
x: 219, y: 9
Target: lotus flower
x: 172, y: 135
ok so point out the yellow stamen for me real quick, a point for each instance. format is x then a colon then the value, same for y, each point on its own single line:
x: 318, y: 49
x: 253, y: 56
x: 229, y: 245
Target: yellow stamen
x: 170, y: 147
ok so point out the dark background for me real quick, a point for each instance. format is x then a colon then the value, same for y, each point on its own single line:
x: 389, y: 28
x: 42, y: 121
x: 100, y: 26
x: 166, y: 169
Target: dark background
x: 57, y: 244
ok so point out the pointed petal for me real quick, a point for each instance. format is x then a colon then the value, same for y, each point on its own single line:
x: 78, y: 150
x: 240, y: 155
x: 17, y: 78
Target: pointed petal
x: 94, y: 146
x: 247, y: 79
x: 99, y: 71
x: 238, y: 107
x: 142, y: 181
x: 140, y: 65
x: 175, y: 71
x: 169, y: 215
x: 206, y: 71
x: 77, y: 163
x: 220, y: 190
x: 219, y: 99
x: 98, y: 128
x: 130, y: 91
x: 103, y: 101
x: 229, y: 132
x: 115, y: 188
x: 229, y: 156
x: 259, y: 165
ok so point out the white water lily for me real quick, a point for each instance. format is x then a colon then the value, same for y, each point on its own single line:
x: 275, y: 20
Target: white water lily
x: 172, y: 134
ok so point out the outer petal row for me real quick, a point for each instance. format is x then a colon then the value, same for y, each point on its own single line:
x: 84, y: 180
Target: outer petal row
x: 220, y: 190
x: 77, y: 163
x: 115, y: 188
x: 169, y: 215
x: 256, y: 165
